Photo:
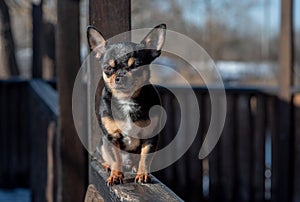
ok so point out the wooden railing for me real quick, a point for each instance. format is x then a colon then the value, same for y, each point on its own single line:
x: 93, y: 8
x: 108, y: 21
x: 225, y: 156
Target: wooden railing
x: 129, y: 191
x: 28, y: 121
x: 30, y: 148
x: 246, y: 165
x: 14, y: 141
x: 43, y: 116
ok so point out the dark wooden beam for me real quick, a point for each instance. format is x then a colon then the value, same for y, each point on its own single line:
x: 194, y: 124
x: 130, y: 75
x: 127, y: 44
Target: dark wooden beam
x: 296, y: 156
x: 9, y: 44
x: 37, y: 30
x: 111, y: 17
x: 73, y: 169
x: 130, y: 191
x: 282, y: 141
x: 286, y: 50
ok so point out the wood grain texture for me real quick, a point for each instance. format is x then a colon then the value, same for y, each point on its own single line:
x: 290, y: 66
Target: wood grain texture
x: 73, y: 172
x: 258, y: 147
x: 130, y: 191
x: 228, y: 150
x: 110, y: 17
x: 92, y: 195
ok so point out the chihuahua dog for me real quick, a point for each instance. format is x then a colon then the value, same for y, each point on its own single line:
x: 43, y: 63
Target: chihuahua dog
x: 127, y: 97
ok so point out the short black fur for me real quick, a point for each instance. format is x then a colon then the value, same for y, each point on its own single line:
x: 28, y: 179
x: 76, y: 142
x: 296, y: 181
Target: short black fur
x: 127, y: 98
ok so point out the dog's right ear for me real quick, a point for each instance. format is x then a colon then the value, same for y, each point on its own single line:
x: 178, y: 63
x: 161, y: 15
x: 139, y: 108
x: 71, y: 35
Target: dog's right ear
x: 96, y: 41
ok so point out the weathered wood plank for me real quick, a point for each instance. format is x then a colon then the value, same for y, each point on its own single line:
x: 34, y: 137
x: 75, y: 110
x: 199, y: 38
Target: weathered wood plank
x: 37, y: 31
x: 167, y: 135
x: 14, y: 158
x: 47, y: 95
x: 259, y: 135
x: 214, y: 157
x: 244, y: 144
x: 194, y: 164
x: 182, y: 114
x: 283, y: 151
x: 13, y: 140
x: 130, y: 191
x: 92, y: 195
x: 3, y: 136
x: 43, y: 105
x: 272, y: 118
x: 24, y: 146
x: 229, y: 151
x: 296, y: 154
x: 285, y: 130
x: 3, y: 154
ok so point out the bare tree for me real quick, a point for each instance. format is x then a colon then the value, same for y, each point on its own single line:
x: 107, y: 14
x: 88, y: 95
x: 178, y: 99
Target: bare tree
x: 8, y: 59
x: 225, y: 29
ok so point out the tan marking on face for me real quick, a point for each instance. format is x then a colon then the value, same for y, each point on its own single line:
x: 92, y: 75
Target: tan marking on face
x: 109, y: 81
x: 111, y: 63
x: 118, y: 94
x: 138, y: 83
x: 130, y: 61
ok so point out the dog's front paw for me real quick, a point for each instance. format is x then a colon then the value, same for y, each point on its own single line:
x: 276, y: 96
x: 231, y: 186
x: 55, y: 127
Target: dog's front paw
x: 116, y: 177
x: 142, y: 178
x: 106, y: 167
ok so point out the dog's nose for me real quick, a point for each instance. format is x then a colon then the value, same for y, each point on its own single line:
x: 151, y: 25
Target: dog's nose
x: 120, y: 79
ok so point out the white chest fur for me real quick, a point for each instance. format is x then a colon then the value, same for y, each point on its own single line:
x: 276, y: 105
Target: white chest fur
x: 128, y: 127
x: 127, y: 106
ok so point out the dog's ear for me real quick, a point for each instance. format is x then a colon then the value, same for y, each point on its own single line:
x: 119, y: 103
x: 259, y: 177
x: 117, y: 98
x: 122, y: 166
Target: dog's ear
x: 96, y: 41
x: 155, y: 38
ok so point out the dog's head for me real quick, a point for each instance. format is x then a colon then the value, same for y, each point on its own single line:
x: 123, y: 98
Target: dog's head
x: 125, y: 66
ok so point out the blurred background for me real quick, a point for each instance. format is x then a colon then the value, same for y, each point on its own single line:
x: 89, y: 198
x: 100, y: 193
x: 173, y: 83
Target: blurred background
x: 241, y: 37
x: 255, y: 45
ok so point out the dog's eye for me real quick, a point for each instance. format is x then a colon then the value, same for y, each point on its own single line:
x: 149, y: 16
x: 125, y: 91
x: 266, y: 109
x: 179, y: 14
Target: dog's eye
x: 109, y: 68
x: 130, y: 61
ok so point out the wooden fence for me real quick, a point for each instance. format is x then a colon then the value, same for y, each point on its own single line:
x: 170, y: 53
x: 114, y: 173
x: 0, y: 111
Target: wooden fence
x: 29, y: 113
x: 246, y: 165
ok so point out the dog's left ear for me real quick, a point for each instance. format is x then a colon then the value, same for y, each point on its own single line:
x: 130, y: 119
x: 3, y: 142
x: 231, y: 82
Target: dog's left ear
x: 96, y: 41
x: 155, y: 38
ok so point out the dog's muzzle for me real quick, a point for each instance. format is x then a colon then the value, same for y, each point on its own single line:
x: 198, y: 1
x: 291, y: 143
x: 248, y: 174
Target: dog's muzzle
x: 121, y: 80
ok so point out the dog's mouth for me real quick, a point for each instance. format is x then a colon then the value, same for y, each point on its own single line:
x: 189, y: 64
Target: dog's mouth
x: 125, y: 87
x: 128, y: 87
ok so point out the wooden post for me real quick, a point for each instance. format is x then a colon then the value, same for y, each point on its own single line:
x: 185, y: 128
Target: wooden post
x: 286, y: 50
x: 73, y: 167
x: 282, y: 147
x: 37, y: 24
x: 111, y: 18
x: 8, y: 40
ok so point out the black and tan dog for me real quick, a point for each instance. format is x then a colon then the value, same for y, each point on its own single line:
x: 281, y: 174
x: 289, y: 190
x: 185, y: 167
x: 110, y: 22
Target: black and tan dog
x: 126, y: 101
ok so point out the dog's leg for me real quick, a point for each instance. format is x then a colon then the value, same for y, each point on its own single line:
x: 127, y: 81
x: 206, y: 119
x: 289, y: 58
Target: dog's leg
x: 116, y: 174
x: 144, y: 164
